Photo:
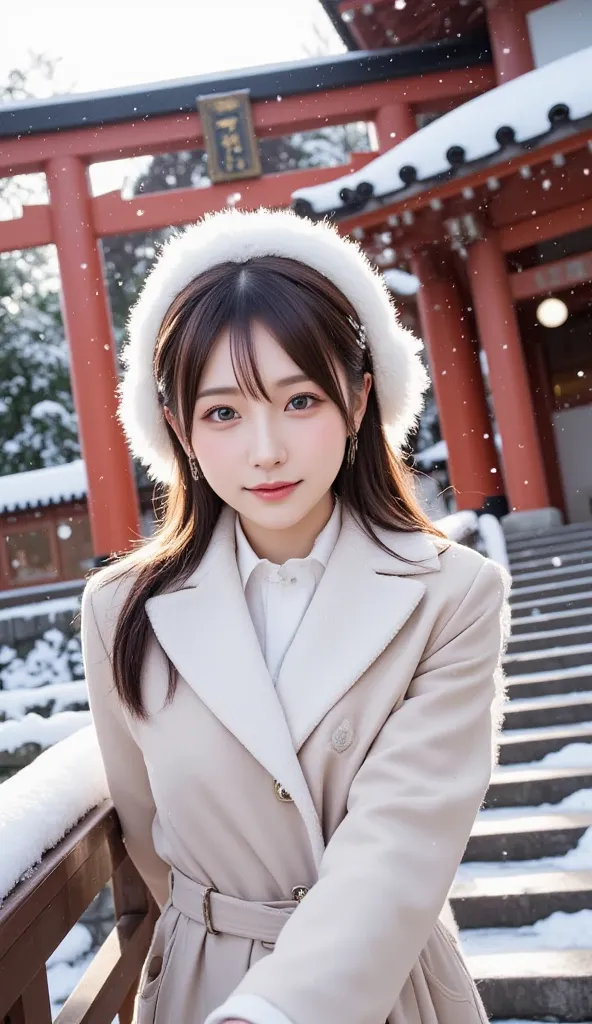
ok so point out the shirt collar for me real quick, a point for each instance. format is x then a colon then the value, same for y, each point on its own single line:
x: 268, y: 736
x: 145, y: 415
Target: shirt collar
x: 326, y: 540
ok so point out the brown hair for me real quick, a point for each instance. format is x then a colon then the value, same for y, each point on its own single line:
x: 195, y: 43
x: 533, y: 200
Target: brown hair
x: 316, y: 325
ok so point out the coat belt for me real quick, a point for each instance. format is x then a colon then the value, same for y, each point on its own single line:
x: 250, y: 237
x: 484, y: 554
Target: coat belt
x: 227, y: 915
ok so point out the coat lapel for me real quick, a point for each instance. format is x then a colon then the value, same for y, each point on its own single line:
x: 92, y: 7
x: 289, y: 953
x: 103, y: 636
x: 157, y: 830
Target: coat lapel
x: 206, y: 630
x: 364, y: 598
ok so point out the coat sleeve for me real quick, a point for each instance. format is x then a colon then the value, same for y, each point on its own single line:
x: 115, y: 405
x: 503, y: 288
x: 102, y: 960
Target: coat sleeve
x: 344, y: 955
x: 125, y: 769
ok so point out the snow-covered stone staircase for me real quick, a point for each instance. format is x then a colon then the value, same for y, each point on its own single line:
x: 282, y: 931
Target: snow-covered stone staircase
x: 523, y: 895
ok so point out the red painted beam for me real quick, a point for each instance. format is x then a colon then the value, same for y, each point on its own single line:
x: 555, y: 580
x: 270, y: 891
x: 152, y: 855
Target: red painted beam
x: 32, y: 229
x: 552, y: 277
x: 548, y: 189
x: 549, y: 225
x: 113, y: 215
x: 294, y: 113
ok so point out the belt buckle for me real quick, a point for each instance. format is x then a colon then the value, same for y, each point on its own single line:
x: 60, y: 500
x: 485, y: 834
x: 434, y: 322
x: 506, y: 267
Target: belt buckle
x: 206, y: 907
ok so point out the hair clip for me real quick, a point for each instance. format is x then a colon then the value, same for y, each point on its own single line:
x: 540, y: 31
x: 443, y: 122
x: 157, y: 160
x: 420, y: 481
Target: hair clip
x: 361, y: 337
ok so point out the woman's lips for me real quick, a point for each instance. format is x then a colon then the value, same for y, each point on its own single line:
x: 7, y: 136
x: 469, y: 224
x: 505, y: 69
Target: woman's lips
x: 275, y: 493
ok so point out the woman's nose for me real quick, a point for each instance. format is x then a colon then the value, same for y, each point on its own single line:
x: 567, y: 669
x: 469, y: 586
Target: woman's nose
x: 267, y: 447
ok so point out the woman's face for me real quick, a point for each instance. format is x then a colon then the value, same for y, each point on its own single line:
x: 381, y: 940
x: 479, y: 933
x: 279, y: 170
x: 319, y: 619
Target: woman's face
x: 242, y: 442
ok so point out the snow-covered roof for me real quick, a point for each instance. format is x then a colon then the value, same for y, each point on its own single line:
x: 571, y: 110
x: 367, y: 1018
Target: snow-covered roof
x: 48, y: 486
x: 435, y: 453
x: 515, y: 112
x: 400, y: 282
x: 439, y: 452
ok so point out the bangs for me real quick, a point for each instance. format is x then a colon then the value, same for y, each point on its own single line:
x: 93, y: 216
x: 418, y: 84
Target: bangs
x: 303, y: 320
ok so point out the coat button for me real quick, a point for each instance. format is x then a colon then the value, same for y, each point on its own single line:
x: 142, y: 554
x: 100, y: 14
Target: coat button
x: 154, y: 968
x: 281, y: 793
x: 299, y: 892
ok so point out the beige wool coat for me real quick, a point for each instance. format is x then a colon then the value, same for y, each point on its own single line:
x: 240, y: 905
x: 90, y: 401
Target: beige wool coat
x: 329, y: 812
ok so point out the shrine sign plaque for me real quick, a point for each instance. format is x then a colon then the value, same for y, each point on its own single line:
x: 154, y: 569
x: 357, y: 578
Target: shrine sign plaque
x: 231, y: 144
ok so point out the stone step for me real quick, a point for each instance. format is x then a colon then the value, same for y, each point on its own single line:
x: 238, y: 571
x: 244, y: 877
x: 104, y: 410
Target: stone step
x: 569, y: 618
x: 568, y: 532
x: 538, y: 684
x: 527, y: 837
x: 520, y: 787
x: 535, y: 591
x: 565, y: 709
x: 541, y: 639
x: 552, y: 559
x: 551, y: 572
x: 577, y: 602
x: 510, y: 901
x: 550, y: 550
x: 520, y: 746
x: 541, y: 985
x: 548, y: 659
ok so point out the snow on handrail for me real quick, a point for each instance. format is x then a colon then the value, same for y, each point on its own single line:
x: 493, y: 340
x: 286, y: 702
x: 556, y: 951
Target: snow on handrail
x: 43, y: 801
x: 486, y: 529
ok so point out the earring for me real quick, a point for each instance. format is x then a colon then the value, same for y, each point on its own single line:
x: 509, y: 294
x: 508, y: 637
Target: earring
x: 352, y: 449
x: 196, y: 472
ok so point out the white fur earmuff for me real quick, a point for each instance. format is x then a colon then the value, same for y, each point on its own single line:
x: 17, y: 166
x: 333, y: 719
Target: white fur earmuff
x: 399, y: 374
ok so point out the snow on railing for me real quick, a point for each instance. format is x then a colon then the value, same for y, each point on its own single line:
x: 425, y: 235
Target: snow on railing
x: 43, y: 801
x: 481, y: 532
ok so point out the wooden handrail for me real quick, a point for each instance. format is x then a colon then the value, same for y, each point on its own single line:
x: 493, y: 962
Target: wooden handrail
x: 42, y: 909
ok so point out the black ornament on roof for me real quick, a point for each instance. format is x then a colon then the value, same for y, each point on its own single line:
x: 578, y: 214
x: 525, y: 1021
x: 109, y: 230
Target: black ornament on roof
x: 302, y: 208
x: 455, y: 156
x: 347, y: 195
x: 365, y: 190
x: 558, y: 114
x: 505, y: 135
x: 408, y: 174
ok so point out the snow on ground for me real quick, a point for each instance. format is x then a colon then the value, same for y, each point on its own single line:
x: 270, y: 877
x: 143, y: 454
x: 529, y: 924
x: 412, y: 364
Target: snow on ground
x: 54, y: 658
x: 43, y: 801
x: 15, y: 703
x: 67, y: 965
x: 558, y: 931
x: 573, y: 755
x: 578, y: 859
x: 34, y: 728
x: 581, y: 800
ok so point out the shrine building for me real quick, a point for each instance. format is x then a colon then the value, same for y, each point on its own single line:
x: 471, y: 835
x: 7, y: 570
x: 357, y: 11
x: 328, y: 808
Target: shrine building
x: 478, y: 184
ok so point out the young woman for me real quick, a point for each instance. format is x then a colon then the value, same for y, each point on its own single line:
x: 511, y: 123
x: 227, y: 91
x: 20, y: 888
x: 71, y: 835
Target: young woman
x: 295, y: 681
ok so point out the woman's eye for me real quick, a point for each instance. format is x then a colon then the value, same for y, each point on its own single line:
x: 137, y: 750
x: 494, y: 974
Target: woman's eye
x: 303, y: 400
x: 222, y: 410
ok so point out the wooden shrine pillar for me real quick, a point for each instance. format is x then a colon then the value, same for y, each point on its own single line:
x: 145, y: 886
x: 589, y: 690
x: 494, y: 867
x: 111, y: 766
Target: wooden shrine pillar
x: 510, y: 39
x: 393, y: 123
x: 473, y: 463
x: 524, y: 471
x: 112, y: 496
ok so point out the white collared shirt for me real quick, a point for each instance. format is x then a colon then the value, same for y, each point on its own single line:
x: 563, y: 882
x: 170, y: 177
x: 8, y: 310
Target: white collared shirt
x: 277, y: 597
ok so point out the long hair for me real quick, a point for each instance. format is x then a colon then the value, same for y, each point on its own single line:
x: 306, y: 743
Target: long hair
x: 316, y: 326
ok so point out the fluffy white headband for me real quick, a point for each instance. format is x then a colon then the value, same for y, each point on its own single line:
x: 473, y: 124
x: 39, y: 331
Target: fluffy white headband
x: 399, y: 375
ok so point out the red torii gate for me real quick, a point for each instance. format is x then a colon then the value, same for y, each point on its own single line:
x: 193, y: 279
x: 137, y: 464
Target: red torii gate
x: 63, y: 137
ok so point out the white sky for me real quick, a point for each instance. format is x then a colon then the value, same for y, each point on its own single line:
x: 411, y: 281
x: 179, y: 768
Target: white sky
x: 131, y: 42
x: 127, y: 42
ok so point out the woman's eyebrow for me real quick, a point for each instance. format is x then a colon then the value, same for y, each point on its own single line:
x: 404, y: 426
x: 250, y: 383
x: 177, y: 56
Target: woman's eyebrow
x: 295, y: 378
